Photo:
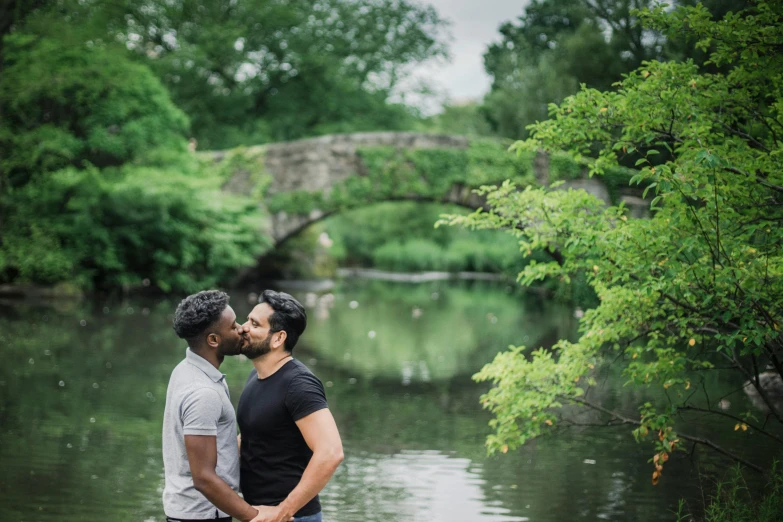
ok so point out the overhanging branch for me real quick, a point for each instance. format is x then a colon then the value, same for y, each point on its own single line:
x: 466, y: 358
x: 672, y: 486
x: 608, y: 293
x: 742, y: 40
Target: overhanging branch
x: 766, y: 183
x: 697, y: 440
x: 734, y: 417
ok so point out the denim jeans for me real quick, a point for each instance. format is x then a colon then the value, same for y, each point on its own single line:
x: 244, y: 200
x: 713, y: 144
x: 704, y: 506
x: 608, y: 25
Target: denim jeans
x: 310, y: 518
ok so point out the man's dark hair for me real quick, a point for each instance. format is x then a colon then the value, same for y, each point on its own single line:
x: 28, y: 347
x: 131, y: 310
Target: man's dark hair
x: 289, y: 316
x: 198, y: 312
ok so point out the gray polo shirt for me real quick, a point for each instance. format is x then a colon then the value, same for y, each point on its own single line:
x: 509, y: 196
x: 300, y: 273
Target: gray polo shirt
x: 197, y: 403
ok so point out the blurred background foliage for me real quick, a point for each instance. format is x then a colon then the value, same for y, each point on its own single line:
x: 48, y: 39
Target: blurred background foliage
x: 100, y: 102
x: 557, y: 45
x: 400, y: 236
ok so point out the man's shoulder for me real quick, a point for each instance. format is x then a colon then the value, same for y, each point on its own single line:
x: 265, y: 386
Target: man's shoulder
x: 298, y: 368
x: 305, y: 393
x: 183, y: 370
x: 302, y: 378
x: 301, y: 374
x: 185, y: 377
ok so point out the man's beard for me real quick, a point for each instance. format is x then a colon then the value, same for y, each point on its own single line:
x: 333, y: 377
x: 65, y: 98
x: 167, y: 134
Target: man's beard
x: 256, y: 350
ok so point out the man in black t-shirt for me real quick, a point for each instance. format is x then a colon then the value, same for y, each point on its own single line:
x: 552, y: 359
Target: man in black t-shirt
x: 290, y: 446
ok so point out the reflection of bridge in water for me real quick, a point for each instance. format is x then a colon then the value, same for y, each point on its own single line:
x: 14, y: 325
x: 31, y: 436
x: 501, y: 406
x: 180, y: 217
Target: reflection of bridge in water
x: 307, y: 180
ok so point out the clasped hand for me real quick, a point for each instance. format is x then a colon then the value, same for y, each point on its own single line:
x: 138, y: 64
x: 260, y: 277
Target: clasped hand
x: 270, y: 514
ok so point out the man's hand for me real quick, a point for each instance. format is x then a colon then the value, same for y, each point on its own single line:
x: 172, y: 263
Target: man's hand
x: 271, y: 514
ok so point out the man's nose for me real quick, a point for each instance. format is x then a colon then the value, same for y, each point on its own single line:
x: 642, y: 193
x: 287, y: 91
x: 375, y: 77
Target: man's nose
x: 245, y: 328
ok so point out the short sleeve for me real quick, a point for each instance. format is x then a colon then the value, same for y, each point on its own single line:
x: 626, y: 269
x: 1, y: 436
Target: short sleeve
x: 305, y: 395
x: 200, y: 412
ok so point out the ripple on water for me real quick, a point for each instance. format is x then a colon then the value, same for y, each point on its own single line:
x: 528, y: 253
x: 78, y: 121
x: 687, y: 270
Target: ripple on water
x: 62, y: 473
x: 411, y: 485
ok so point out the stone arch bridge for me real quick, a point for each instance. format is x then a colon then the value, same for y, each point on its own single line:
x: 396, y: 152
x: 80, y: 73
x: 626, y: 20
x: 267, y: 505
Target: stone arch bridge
x: 303, y: 181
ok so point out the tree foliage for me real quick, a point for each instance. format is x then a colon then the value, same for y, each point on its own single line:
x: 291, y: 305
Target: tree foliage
x: 734, y: 501
x: 466, y: 119
x: 97, y: 189
x: 70, y: 104
x: 557, y: 45
x: 129, y: 227
x: 695, y: 288
x: 399, y: 236
x: 256, y: 71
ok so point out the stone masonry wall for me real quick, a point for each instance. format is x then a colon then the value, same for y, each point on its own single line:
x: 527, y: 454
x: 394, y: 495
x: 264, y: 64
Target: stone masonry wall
x: 318, y: 163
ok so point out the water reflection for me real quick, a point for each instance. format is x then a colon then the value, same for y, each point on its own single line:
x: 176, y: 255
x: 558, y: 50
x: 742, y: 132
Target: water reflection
x: 427, y: 332
x: 81, y: 392
x: 413, y: 485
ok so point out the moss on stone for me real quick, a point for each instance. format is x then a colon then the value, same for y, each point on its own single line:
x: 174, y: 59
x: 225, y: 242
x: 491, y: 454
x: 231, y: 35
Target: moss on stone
x: 240, y: 170
x: 389, y: 173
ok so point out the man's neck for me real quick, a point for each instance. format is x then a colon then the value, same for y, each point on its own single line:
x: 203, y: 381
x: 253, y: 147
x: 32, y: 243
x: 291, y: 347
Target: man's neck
x: 269, y: 363
x: 211, y: 356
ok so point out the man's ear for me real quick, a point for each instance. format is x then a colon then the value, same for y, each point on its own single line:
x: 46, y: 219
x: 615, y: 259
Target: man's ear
x: 279, y: 338
x: 213, y: 340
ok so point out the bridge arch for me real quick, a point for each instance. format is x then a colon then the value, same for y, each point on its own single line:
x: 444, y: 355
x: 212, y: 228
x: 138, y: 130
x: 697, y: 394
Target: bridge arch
x: 304, y: 181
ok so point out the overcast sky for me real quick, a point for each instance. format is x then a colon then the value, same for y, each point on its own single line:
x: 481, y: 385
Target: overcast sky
x: 474, y: 25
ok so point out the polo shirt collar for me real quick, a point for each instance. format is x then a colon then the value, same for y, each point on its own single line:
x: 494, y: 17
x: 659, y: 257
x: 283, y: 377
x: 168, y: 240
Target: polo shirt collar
x: 204, y: 365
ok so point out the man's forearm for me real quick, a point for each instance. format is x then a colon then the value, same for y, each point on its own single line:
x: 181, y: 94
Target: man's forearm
x: 224, y: 498
x: 315, y: 477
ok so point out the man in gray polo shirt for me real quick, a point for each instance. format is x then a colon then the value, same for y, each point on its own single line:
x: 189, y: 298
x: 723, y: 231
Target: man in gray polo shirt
x: 200, y: 454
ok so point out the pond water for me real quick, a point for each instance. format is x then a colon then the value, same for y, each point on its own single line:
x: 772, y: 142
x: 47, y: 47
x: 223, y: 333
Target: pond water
x: 82, y: 391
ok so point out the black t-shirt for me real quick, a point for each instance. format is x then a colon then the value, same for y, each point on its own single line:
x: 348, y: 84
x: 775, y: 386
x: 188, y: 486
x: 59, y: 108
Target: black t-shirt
x: 274, y: 454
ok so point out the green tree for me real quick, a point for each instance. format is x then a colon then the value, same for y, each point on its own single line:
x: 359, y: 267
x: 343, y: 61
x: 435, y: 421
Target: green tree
x: 260, y: 70
x: 68, y: 103
x: 691, y: 291
x: 521, y: 93
x: 467, y: 119
x: 97, y: 187
x: 11, y: 13
x: 167, y: 228
x: 557, y: 45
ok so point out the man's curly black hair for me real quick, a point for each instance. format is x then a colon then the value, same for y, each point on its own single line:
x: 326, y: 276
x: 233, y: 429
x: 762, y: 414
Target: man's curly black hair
x: 198, y: 312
